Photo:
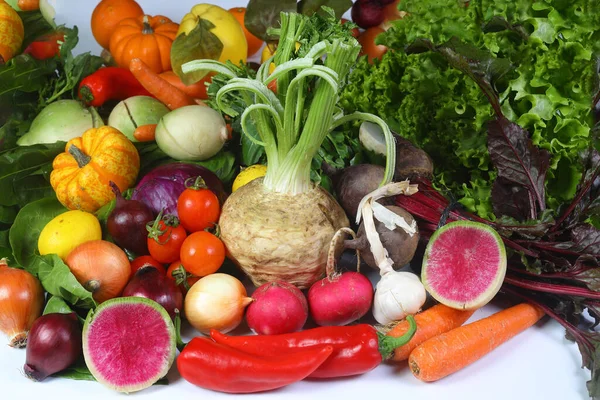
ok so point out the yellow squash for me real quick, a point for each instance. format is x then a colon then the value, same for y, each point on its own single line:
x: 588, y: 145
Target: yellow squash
x: 227, y: 29
x: 81, y: 175
x: 11, y: 32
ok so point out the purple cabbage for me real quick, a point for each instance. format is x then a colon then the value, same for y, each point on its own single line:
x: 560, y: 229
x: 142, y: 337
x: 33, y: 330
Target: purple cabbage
x: 162, y: 186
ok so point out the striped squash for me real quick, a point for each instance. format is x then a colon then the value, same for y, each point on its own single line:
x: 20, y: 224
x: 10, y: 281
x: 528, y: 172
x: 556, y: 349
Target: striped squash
x: 81, y: 175
x: 11, y: 32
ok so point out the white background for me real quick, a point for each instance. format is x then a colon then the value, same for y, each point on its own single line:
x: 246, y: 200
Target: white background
x: 538, y: 364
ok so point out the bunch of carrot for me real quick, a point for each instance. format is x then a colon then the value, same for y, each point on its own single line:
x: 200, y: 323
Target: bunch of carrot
x: 442, y: 346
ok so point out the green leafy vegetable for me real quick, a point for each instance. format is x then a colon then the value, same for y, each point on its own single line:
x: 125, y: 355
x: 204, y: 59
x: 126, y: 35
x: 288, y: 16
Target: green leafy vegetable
x: 57, y: 305
x: 27, y: 227
x: 198, y: 44
x: 57, y: 279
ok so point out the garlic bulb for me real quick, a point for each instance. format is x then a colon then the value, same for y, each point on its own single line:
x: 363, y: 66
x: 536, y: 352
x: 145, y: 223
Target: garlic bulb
x: 397, y: 295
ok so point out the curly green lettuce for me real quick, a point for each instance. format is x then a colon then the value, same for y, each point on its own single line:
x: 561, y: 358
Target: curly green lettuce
x: 553, y: 47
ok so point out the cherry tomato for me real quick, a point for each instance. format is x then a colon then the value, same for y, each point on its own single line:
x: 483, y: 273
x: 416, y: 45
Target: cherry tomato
x: 367, y: 41
x: 190, y: 280
x: 165, y: 248
x: 198, y: 209
x: 202, y: 253
x: 146, y: 261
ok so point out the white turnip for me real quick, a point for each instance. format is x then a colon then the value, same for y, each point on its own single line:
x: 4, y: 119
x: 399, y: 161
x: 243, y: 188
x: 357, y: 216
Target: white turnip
x: 277, y: 307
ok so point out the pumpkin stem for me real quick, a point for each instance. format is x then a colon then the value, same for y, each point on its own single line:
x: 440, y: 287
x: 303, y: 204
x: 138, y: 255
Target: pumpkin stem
x: 147, y: 29
x: 79, y: 156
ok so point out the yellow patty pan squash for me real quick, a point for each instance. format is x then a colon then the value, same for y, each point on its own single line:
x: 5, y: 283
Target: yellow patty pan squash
x: 81, y: 175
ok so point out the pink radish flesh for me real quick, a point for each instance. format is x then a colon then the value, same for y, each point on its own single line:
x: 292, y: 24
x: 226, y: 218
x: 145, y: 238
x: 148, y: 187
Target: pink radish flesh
x: 341, y: 300
x: 278, y: 307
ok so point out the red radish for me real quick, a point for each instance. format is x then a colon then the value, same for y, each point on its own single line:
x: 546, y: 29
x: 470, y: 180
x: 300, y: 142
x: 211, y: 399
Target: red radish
x: 278, y: 307
x: 339, y: 299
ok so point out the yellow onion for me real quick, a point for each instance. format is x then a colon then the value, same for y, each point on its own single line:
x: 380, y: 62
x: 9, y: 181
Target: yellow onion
x: 21, y: 303
x: 216, y: 301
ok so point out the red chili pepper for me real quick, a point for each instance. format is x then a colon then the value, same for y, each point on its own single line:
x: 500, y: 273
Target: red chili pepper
x: 110, y: 83
x: 46, y: 46
x: 356, y: 349
x: 214, y: 366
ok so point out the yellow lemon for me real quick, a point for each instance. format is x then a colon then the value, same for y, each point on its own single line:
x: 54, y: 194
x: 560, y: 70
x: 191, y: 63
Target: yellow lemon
x: 227, y: 29
x: 247, y: 175
x: 67, y: 231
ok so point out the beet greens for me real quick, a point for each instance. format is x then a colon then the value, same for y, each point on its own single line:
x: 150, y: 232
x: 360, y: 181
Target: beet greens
x: 554, y: 254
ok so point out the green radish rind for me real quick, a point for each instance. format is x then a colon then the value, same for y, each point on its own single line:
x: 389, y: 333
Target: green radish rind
x: 116, y: 302
x: 493, y: 287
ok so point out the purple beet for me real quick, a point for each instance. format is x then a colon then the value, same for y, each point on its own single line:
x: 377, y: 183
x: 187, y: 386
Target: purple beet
x: 367, y: 14
x: 150, y: 283
x: 53, y: 344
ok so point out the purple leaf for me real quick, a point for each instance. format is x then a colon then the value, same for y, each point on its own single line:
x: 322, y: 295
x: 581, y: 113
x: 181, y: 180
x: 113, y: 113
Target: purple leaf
x: 586, y: 239
x: 511, y: 200
x: 518, y: 160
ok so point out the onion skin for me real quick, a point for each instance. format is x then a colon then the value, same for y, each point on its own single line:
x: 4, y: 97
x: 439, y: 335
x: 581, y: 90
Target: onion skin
x: 54, y: 345
x: 160, y: 188
x: 21, y: 303
x: 150, y: 283
x: 101, y: 267
x: 216, y: 301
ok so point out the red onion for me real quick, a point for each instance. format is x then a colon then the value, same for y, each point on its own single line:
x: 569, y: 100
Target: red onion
x: 127, y: 223
x: 367, y: 14
x: 54, y: 344
x: 148, y: 282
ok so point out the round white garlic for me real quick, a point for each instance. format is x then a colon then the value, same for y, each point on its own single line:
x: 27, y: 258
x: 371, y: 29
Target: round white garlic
x: 397, y: 295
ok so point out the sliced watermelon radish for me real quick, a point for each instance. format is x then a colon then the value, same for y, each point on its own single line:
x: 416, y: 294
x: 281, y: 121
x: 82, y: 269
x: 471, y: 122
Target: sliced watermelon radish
x: 129, y: 343
x: 464, y: 265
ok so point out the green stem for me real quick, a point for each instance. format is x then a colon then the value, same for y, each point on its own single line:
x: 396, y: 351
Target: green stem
x: 196, y: 183
x: 387, y: 344
x: 390, y: 159
x: 79, y: 156
x: 179, y: 342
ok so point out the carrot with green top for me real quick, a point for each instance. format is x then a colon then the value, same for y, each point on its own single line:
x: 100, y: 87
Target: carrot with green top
x: 432, y: 322
x: 449, y: 352
x: 145, y: 133
x: 171, y: 96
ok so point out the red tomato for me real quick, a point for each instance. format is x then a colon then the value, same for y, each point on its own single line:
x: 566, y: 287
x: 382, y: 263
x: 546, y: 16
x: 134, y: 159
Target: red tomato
x: 367, y: 41
x: 202, y: 253
x: 190, y: 280
x: 146, y: 261
x: 198, y: 209
x: 165, y: 248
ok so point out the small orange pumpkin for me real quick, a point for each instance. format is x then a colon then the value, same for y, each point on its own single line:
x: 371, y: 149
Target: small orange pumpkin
x: 147, y: 38
x: 11, y: 32
x: 80, y: 176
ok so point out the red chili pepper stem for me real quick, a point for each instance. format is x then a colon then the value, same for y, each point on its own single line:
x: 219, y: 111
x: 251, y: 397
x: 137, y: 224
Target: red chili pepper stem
x: 387, y: 344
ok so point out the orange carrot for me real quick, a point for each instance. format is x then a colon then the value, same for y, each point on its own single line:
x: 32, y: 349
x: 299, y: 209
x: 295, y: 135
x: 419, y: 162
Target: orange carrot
x: 145, y: 133
x: 29, y: 5
x: 172, y: 97
x: 451, y: 351
x: 431, y: 322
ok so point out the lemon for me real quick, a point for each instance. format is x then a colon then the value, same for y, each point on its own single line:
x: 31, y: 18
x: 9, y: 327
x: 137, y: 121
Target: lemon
x: 247, y: 175
x: 67, y: 231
